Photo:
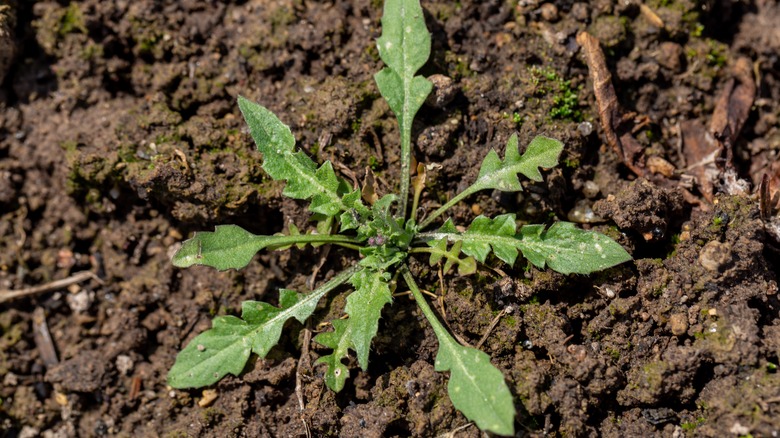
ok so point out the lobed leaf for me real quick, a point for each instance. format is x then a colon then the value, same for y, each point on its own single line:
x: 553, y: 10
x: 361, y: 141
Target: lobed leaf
x: 495, y: 173
x: 364, y: 307
x: 340, y: 340
x: 404, y: 46
x: 482, y: 236
x: 563, y: 247
x: 438, y: 250
x: 282, y: 162
x: 226, y: 347
x: 232, y: 247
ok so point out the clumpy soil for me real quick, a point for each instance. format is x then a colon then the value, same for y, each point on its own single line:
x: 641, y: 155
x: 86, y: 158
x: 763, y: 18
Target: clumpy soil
x: 120, y: 136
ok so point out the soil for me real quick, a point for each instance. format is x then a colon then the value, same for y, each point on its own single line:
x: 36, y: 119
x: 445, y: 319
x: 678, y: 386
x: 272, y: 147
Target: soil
x: 120, y: 136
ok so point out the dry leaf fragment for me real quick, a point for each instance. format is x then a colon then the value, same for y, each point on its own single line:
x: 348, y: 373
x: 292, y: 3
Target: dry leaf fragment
x: 369, y: 192
x: 704, y: 149
x: 734, y: 103
x: 618, y: 124
x: 701, y: 151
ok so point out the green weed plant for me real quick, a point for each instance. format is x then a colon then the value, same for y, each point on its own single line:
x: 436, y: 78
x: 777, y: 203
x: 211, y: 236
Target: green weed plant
x: 385, y: 234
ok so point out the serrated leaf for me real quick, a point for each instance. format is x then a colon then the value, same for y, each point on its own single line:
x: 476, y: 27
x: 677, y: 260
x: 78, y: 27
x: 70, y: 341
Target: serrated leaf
x: 495, y: 173
x: 567, y: 249
x: 226, y: 347
x: 282, y: 162
x: 476, y: 387
x: 232, y: 247
x: 563, y: 247
x: 364, y: 308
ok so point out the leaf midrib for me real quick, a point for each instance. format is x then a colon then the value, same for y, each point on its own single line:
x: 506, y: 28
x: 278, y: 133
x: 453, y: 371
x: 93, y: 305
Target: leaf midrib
x: 311, y: 178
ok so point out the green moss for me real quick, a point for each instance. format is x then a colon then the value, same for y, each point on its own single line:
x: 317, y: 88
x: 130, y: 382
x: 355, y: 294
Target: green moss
x: 92, y: 51
x: 565, y: 97
x: 72, y: 21
x: 717, y: 54
x: 211, y: 416
x: 355, y: 125
x: 510, y: 321
x: 690, y: 426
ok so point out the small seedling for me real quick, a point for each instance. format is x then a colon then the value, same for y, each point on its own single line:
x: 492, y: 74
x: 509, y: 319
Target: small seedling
x: 385, y: 233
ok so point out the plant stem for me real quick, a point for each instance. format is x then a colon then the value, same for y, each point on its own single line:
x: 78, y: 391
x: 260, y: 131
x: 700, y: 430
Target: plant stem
x: 438, y: 212
x: 418, y: 185
x: 406, y: 156
x: 438, y: 328
x: 346, y: 241
x: 419, y: 250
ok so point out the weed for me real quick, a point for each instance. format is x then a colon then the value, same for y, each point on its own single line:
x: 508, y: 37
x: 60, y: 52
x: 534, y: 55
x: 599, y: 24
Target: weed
x: 385, y: 232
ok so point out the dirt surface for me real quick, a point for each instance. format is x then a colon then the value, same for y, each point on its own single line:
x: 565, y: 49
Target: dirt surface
x: 119, y: 136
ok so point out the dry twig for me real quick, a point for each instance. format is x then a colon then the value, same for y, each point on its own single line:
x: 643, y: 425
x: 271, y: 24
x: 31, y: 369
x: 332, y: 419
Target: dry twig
x: 78, y: 277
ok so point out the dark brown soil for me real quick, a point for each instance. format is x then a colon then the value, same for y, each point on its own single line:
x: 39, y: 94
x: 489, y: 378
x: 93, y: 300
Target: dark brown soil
x: 120, y: 135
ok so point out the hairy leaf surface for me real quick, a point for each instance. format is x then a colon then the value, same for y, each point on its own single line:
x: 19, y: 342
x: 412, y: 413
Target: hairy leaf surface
x: 364, y: 308
x: 567, y: 249
x: 404, y: 46
x: 226, y: 347
x: 281, y: 161
x: 563, y: 247
x: 476, y: 387
x: 495, y: 173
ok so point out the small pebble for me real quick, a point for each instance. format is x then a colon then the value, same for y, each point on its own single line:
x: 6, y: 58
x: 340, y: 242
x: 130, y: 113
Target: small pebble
x: 444, y: 90
x: 124, y: 364
x: 678, y: 323
x: 61, y: 399
x: 658, y: 165
x: 582, y: 213
x: 549, y: 12
x: 714, y: 255
x: 476, y: 209
x: 590, y: 189
x: 585, y: 128
x: 10, y: 379
x: 209, y: 395
x: 671, y: 56
x: 579, y: 11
